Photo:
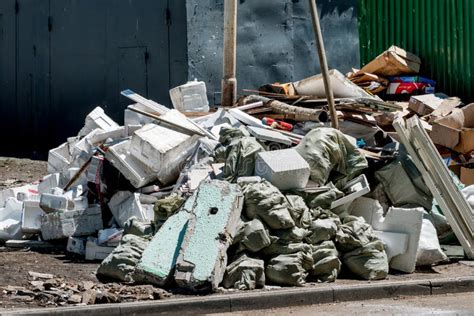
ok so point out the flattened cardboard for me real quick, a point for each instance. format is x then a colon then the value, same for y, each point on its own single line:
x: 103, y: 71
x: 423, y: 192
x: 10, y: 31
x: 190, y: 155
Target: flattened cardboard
x: 393, y: 62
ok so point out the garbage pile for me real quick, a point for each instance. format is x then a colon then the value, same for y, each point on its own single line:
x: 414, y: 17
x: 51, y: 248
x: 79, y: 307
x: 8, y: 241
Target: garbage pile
x: 263, y: 193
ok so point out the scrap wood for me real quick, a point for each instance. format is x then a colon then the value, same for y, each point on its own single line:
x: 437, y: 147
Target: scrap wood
x: 300, y: 113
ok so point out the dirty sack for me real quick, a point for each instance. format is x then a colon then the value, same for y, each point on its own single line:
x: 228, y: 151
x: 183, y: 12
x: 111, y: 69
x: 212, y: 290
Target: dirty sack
x: 240, y: 158
x: 400, y: 187
x: 166, y: 207
x: 323, y: 198
x: 120, y: 264
x: 299, y: 211
x: 331, y: 156
x: 326, y: 266
x: 266, y: 202
x: 289, y: 269
x: 252, y: 236
x: 244, y: 274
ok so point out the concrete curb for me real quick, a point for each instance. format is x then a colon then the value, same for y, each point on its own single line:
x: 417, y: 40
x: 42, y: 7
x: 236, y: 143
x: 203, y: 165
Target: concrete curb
x: 267, y: 300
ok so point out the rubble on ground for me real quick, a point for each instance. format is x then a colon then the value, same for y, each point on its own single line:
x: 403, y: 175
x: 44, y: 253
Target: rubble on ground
x: 264, y: 193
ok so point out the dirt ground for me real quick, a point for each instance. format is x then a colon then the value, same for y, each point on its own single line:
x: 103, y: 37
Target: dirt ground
x: 74, y: 275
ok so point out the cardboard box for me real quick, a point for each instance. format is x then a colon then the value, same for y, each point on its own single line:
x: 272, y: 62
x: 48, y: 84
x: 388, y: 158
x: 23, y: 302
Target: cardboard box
x: 426, y: 104
x: 464, y: 173
x: 455, y: 131
x: 393, y: 62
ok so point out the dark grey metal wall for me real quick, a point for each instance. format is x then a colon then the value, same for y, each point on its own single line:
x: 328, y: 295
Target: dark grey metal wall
x: 275, y: 40
x: 61, y: 58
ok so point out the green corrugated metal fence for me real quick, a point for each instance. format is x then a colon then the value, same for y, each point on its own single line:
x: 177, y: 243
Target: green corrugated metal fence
x: 441, y: 32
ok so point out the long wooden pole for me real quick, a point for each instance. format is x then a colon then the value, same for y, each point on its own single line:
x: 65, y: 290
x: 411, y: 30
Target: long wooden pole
x: 229, y: 81
x: 323, y: 63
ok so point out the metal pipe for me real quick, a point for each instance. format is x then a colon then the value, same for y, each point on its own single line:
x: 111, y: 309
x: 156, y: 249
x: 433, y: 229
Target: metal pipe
x: 323, y: 63
x: 229, y: 81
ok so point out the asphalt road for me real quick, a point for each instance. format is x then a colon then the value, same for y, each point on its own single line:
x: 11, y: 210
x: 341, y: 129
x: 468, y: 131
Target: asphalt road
x: 452, y: 304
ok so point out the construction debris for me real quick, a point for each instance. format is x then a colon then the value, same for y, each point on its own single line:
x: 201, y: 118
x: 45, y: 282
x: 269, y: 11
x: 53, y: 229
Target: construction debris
x: 262, y: 193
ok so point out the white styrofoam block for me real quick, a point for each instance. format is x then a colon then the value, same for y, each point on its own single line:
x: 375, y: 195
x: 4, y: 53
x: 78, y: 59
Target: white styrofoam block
x: 97, y: 119
x: 76, y: 245
x: 10, y: 220
x: 54, y: 203
x: 408, y: 221
x: 196, y: 176
x: 124, y: 205
x: 84, y: 145
x: 48, y: 182
x: 285, y: 169
x: 25, y: 192
x: 31, y: 216
x: 96, y: 252
x: 395, y: 243
x: 94, y: 170
x: 134, y: 118
x: 352, y: 190
x: 163, y: 150
x: 134, y: 170
x: 110, y: 237
x: 61, y: 225
x: 405, y: 221
x: 102, y: 136
x: 190, y: 97
x: 59, y: 158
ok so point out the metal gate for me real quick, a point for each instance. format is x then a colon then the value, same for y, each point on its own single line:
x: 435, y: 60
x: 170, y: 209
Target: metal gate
x: 61, y: 58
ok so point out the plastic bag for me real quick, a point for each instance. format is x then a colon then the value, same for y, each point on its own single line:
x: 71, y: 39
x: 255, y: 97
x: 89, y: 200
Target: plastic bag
x: 244, y: 274
x: 252, y: 236
x: 240, y: 161
x: 299, y: 211
x: 289, y: 269
x: 368, y: 262
x: 266, y: 202
x: 331, y: 156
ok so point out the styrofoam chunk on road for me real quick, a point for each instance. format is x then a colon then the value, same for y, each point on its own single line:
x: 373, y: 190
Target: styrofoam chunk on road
x: 31, y: 216
x: 77, y: 245
x: 395, y: 243
x: 97, y: 119
x: 61, y: 225
x: 163, y: 150
x: 285, y: 169
x: 10, y: 220
x: 59, y: 158
x: 159, y: 258
x: 96, y: 252
x: 48, y: 182
x: 134, y: 170
x: 124, y: 205
x: 269, y: 135
x: 215, y: 215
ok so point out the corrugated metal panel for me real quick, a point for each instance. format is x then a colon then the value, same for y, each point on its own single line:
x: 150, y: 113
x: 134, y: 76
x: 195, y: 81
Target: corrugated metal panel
x: 441, y: 32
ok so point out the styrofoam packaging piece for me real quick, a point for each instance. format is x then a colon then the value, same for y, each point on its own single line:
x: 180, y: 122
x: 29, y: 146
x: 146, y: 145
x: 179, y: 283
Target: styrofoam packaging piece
x: 96, y: 252
x: 353, y: 190
x: 163, y: 150
x: 76, y: 245
x: 84, y: 145
x: 134, y: 118
x: 29, y: 191
x: 124, y: 205
x: 10, y: 220
x: 94, y: 169
x: 286, y: 169
x: 269, y: 135
x: 31, y: 216
x: 101, y: 136
x: 55, y: 203
x: 81, y: 203
x: 109, y: 237
x: 59, y: 158
x: 395, y: 243
x: 61, y: 225
x: 97, y: 119
x: 190, y: 97
x: 135, y: 171
x: 50, y: 181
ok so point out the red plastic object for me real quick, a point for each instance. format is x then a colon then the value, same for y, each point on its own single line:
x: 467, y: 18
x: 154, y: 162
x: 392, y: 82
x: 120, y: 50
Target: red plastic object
x: 277, y: 124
